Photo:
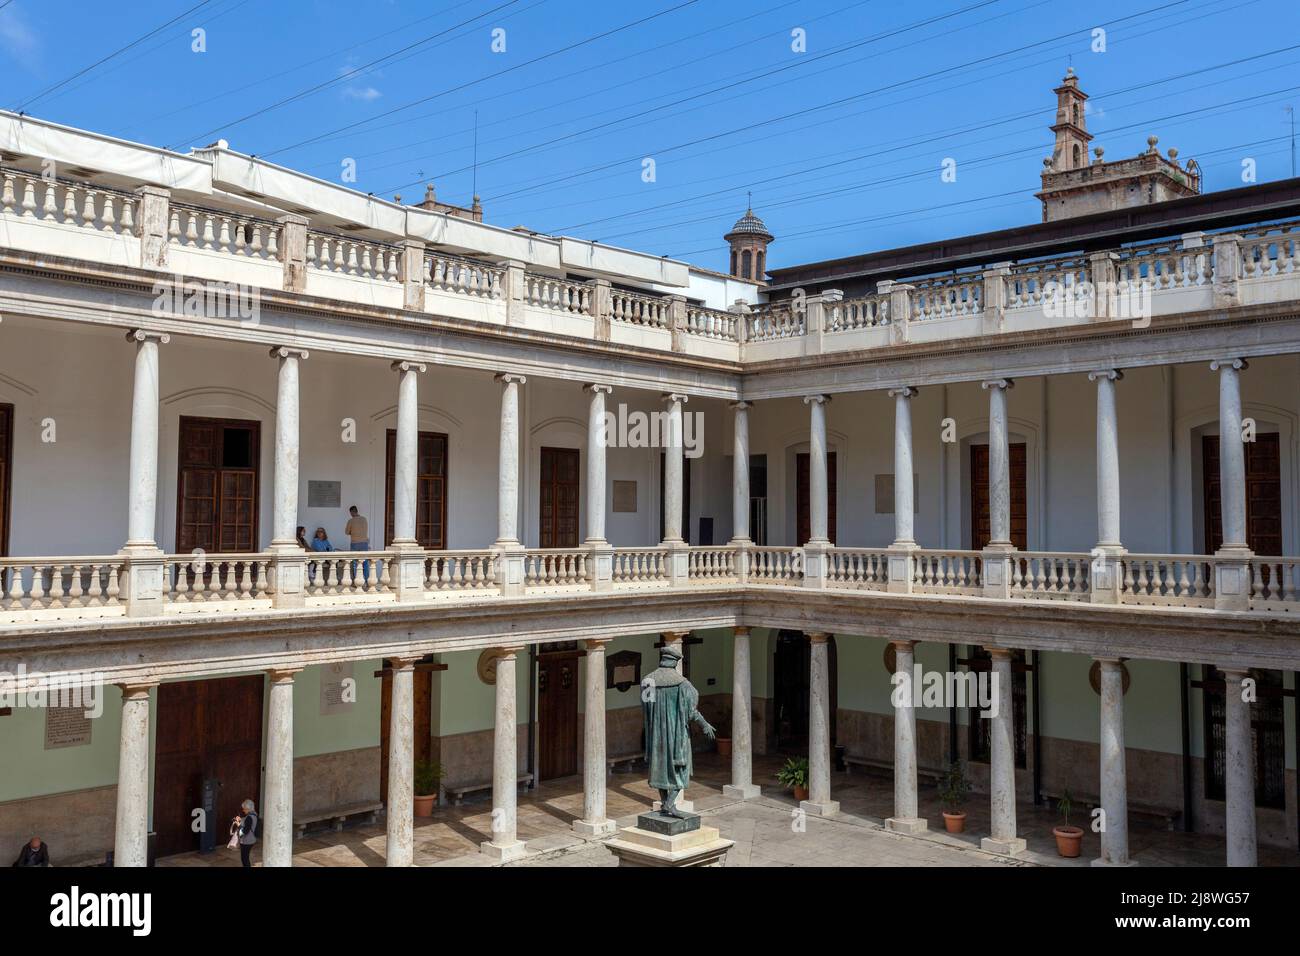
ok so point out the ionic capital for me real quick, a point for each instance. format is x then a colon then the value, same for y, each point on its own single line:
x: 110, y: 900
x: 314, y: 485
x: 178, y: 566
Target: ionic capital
x: 406, y: 365
x: 818, y: 399
x: 1114, y: 374
x: 907, y: 391
x: 144, y: 335
x: 674, y: 398
x: 286, y: 351
x: 597, y: 387
x: 1001, y: 383
x: 1239, y: 364
x: 509, y: 378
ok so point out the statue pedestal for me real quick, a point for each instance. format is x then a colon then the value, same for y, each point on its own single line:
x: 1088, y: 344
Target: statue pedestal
x: 657, y: 840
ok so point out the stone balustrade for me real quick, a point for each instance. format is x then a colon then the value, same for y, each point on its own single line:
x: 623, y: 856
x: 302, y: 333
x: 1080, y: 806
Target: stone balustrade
x: 54, y: 588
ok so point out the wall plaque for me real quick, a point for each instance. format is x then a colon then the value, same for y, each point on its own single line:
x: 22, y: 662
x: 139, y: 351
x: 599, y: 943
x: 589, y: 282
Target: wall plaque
x: 66, y: 727
x: 324, y: 494
x: 338, y: 688
x: 623, y: 670
x: 625, y: 496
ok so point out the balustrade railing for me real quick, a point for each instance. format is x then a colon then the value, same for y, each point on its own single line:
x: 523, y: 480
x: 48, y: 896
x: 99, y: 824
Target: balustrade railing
x: 947, y: 297
x: 777, y: 320
x: 706, y: 565
x: 775, y: 565
x: 1273, y: 251
x: 1273, y: 584
x: 710, y: 323
x: 1049, y: 282
x: 459, y: 570
x: 195, y: 228
x: 636, y: 309
x: 554, y: 568
x: 948, y: 572
x: 349, y: 573
x: 1167, y: 580
x: 1062, y: 576
x: 561, y: 295
x: 355, y: 257
x: 858, y: 568
x: 458, y: 276
x: 207, y: 579
x: 867, y: 312
x: 638, y: 565
x: 33, y: 584
x: 68, y: 203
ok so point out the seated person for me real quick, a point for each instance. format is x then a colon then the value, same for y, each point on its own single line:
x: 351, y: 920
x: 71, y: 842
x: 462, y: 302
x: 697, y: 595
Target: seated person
x: 34, y: 853
x: 321, y: 541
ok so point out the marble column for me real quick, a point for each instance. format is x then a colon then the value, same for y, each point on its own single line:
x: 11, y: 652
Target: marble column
x: 277, y: 813
x: 1108, y: 532
x: 505, y: 844
x: 740, y: 475
x: 594, y: 823
x: 1002, y: 762
x: 1238, y: 771
x: 819, y: 731
x: 142, y: 486
x: 673, y: 470
x: 284, y: 509
x: 906, y: 818
x: 131, y: 827
x: 1232, y: 454
x: 1114, y: 777
x: 510, y: 550
x: 999, y: 465
x: 904, y: 503
x: 817, y: 486
x: 406, y: 453
x: 596, y: 464
x: 742, y: 722
x: 400, y: 811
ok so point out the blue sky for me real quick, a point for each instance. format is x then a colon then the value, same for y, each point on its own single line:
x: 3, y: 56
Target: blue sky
x: 841, y: 142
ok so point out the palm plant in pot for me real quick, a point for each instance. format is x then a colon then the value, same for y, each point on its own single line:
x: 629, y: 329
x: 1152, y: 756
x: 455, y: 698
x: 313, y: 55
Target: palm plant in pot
x: 794, y: 776
x: 1068, y: 838
x: 954, y: 788
x: 427, y: 777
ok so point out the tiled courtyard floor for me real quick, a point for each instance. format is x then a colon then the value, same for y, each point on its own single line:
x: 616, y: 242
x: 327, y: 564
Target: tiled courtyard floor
x: 762, y: 830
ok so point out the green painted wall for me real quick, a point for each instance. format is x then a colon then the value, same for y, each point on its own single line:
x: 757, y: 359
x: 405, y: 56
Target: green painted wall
x: 314, y: 733
x: 30, y: 770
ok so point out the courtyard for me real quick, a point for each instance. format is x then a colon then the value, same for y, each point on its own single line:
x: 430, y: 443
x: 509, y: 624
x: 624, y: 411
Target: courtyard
x: 764, y: 830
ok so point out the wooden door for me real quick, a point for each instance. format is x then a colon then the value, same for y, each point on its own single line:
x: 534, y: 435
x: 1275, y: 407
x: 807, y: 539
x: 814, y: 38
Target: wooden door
x: 1267, y: 736
x: 430, y: 489
x: 557, y: 714
x: 980, y: 521
x: 792, y: 672
x: 1263, y: 494
x: 686, y: 499
x: 6, y: 472
x: 422, y: 682
x: 803, y: 496
x: 558, y: 499
x: 207, y: 729
x: 217, y: 485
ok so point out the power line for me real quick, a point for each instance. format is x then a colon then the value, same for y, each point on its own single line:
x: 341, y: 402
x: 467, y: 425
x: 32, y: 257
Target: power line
x: 138, y: 40
x: 490, y: 76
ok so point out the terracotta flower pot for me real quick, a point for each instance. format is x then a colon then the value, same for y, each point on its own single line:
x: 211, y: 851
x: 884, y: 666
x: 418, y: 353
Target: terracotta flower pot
x: 424, y: 805
x: 724, y: 746
x: 801, y: 793
x: 1068, y: 840
x: 954, y: 822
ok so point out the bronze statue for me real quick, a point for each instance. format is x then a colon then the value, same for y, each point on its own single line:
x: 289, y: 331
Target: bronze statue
x: 670, y: 703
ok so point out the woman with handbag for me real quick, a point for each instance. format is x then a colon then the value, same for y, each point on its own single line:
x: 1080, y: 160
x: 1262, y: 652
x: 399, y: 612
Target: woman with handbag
x: 243, y: 832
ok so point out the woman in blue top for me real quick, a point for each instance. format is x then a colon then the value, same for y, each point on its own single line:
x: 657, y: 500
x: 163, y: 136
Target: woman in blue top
x: 321, y: 541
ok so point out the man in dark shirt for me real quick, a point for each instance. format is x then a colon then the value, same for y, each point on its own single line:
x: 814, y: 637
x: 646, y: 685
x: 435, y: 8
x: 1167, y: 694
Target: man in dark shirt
x: 34, y: 853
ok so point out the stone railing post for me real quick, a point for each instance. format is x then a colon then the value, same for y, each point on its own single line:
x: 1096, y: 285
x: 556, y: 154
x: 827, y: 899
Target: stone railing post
x: 676, y: 307
x: 900, y: 309
x: 411, y: 273
x: 1227, y: 269
x: 602, y: 304
x: 293, y: 252
x: 516, y: 292
x: 995, y: 298
x: 740, y: 314
x: 814, y: 323
x: 1101, y: 273
x: 151, y: 226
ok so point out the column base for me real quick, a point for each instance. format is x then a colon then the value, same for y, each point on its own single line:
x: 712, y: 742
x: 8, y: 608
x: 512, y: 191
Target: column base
x: 908, y: 825
x: 746, y: 791
x: 1100, y: 862
x: 827, y: 809
x: 594, y: 830
x: 1010, y: 847
x: 504, y: 852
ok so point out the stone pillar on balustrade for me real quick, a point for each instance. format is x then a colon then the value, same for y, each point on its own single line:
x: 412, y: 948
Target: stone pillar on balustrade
x: 600, y: 554
x: 142, y: 559
x: 151, y: 226
x: 602, y: 306
x: 1102, y: 275
x: 740, y: 539
x: 675, y: 309
x: 899, y: 308
x: 678, y: 557
x: 407, y: 573
x: 411, y: 272
x: 1105, y: 576
x: 820, y: 309
x: 516, y: 292
x: 740, y: 312
x: 1232, y: 561
x: 1227, y: 269
x: 994, y: 298
x: 293, y: 251
x: 902, y: 553
x: 510, y: 553
x: 997, y: 557
x: 289, y: 583
x: 818, y: 549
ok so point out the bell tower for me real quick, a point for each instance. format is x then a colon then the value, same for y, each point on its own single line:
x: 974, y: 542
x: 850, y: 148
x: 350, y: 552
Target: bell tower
x: 749, y: 239
x: 1071, y: 126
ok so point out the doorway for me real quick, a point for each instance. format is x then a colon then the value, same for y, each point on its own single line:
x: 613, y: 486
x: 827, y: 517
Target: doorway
x: 792, y: 670
x: 207, y: 730
x: 686, y: 498
x: 980, y: 519
x: 558, y: 499
x: 1263, y: 493
x: 557, y: 710
x: 803, y: 496
x: 430, y: 489
x: 218, y: 464
x: 422, y: 692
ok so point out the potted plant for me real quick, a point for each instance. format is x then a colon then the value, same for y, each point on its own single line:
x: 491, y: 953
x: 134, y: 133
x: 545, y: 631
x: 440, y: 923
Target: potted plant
x: 953, y: 791
x: 723, y: 743
x: 427, y: 777
x: 794, y: 776
x: 1068, y: 838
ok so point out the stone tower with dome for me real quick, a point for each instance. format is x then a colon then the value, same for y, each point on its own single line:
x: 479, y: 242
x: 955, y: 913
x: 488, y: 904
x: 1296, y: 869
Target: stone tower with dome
x: 749, y: 240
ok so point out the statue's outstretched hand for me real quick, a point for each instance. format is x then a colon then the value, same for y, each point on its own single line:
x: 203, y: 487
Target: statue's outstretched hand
x: 708, y: 729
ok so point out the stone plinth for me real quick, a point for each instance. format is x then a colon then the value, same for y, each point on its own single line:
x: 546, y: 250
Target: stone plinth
x: 658, y: 840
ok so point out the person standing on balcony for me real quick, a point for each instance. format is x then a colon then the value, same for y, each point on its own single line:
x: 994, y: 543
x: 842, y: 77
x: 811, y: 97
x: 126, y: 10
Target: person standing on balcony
x: 358, y: 531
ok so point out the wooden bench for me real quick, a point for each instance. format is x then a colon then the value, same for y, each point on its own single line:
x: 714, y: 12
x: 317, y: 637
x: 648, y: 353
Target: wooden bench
x: 627, y: 760
x: 457, y: 794
x: 1089, y: 802
x: 335, y: 815
x: 887, y: 767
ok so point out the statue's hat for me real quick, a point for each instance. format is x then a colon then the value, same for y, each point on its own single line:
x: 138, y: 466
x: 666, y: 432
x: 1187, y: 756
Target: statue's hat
x: 669, y: 651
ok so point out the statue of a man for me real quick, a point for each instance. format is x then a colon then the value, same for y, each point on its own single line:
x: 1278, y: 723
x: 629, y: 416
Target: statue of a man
x: 670, y: 703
